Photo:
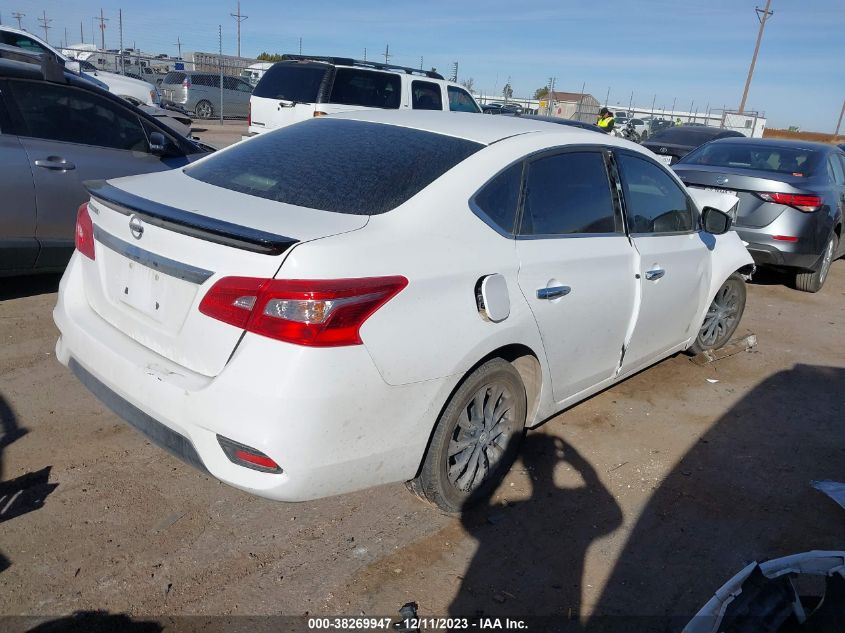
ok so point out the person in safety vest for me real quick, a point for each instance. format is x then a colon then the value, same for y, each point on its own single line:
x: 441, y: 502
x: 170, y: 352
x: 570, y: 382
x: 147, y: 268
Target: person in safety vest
x: 605, y: 121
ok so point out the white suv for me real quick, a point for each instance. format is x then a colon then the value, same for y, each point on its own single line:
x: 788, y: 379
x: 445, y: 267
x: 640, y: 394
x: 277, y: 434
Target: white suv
x: 301, y: 87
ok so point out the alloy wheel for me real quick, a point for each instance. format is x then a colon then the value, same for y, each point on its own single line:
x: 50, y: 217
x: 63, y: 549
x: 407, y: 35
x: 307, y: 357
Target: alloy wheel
x: 481, y: 436
x: 722, y: 316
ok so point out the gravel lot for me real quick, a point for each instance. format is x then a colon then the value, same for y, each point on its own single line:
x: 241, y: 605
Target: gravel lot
x: 642, y: 500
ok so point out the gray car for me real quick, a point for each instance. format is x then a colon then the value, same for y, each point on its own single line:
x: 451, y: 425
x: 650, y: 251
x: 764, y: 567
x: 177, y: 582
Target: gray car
x: 791, y: 199
x: 58, y: 130
x: 199, y: 92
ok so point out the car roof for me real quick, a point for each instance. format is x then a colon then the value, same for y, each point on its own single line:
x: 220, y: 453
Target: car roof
x: 778, y: 142
x: 471, y: 126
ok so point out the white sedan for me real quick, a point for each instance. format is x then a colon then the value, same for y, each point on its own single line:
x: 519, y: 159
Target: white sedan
x: 387, y: 296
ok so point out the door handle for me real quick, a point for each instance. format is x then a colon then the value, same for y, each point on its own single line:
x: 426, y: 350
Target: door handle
x: 55, y: 163
x: 554, y: 292
x: 654, y: 275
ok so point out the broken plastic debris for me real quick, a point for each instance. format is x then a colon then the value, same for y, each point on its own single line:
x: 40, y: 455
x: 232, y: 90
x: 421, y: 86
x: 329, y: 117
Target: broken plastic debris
x: 735, y: 346
x: 712, y: 380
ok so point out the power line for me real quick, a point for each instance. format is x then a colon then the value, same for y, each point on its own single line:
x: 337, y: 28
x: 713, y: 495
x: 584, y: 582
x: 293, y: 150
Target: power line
x: 239, y: 18
x: 18, y: 17
x: 763, y: 16
x: 45, y: 24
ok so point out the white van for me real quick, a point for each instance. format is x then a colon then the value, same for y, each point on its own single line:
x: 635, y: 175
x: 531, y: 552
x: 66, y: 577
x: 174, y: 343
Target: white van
x: 253, y: 74
x: 301, y: 87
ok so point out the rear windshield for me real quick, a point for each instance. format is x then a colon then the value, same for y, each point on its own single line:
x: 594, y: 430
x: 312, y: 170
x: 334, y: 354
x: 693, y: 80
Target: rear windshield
x: 781, y: 160
x: 685, y: 137
x: 292, y: 81
x: 352, y: 167
x: 174, y: 78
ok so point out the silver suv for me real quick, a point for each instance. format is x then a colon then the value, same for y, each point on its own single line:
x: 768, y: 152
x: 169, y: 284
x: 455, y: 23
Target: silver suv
x: 199, y: 92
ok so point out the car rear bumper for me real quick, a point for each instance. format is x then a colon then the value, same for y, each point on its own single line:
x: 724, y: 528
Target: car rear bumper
x: 324, y: 415
x: 790, y: 241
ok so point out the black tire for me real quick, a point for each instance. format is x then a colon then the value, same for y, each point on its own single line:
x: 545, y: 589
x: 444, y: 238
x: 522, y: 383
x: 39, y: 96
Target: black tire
x: 441, y: 476
x: 813, y: 281
x: 718, y: 328
x: 204, y: 109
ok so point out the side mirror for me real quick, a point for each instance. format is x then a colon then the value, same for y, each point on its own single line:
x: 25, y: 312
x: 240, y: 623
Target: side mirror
x: 158, y: 143
x: 714, y: 221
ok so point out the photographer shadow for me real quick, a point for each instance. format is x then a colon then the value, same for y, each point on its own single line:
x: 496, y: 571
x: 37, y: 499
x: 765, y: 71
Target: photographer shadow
x: 530, y: 556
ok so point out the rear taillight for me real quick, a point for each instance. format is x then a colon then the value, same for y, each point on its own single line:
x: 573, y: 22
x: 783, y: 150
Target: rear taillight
x: 316, y: 313
x: 84, y: 236
x: 804, y: 203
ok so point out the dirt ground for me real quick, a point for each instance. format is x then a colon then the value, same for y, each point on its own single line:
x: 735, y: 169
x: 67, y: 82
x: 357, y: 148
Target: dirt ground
x: 639, y: 502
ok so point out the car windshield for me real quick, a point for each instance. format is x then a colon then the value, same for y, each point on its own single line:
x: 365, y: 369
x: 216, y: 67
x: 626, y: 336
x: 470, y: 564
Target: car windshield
x: 749, y: 155
x: 682, y: 136
x: 352, y: 167
x: 292, y: 81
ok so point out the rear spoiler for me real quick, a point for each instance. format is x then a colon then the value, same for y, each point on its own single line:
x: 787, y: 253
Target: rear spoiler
x: 188, y: 223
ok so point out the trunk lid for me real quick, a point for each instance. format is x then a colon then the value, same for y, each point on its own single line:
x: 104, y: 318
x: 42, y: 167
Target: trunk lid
x: 752, y: 211
x: 149, y: 285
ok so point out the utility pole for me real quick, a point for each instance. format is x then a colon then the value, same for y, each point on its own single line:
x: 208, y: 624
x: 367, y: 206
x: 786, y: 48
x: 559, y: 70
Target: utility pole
x: 18, y: 16
x: 839, y: 123
x: 386, y: 53
x: 220, y: 61
x: 239, y: 18
x: 178, y: 46
x: 421, y: 62
x: 45, y: 24
x: 455, y: 72
x: 631, y: 103
x: 103, y: 21
x: 365, y: 53
x: 66, y: 46
x: 120, y: 29
x: 763, y: 16
x: 300, y: 46
x: 81, y: 34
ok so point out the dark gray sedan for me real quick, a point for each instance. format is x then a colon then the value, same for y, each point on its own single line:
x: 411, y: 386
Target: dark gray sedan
x: 56, y: 133
x: 791, y: 199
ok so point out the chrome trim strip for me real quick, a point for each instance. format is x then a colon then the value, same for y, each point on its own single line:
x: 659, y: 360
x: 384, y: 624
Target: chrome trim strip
x: 188, y: 223
x: 161, y: 264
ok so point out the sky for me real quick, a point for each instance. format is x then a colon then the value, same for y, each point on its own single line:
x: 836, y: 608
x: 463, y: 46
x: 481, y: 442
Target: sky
x: 689, y: 53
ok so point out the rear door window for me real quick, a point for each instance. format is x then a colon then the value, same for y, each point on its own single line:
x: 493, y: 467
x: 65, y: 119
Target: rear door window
x: 426, y: 95
x: 355, y: 86
x: 568, y: 194
x: 460, y: 100
x: 21, y: 41
x: 292, y: 81
x: 336, y: 165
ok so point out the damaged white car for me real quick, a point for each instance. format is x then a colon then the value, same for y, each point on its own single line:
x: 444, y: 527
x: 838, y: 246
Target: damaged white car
x: 388, y: 296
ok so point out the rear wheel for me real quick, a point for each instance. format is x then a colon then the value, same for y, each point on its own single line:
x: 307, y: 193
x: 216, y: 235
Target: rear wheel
x: 722, y: 316
x: 476, y: 438
x: 204, y: 110
x: 814, y: 280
